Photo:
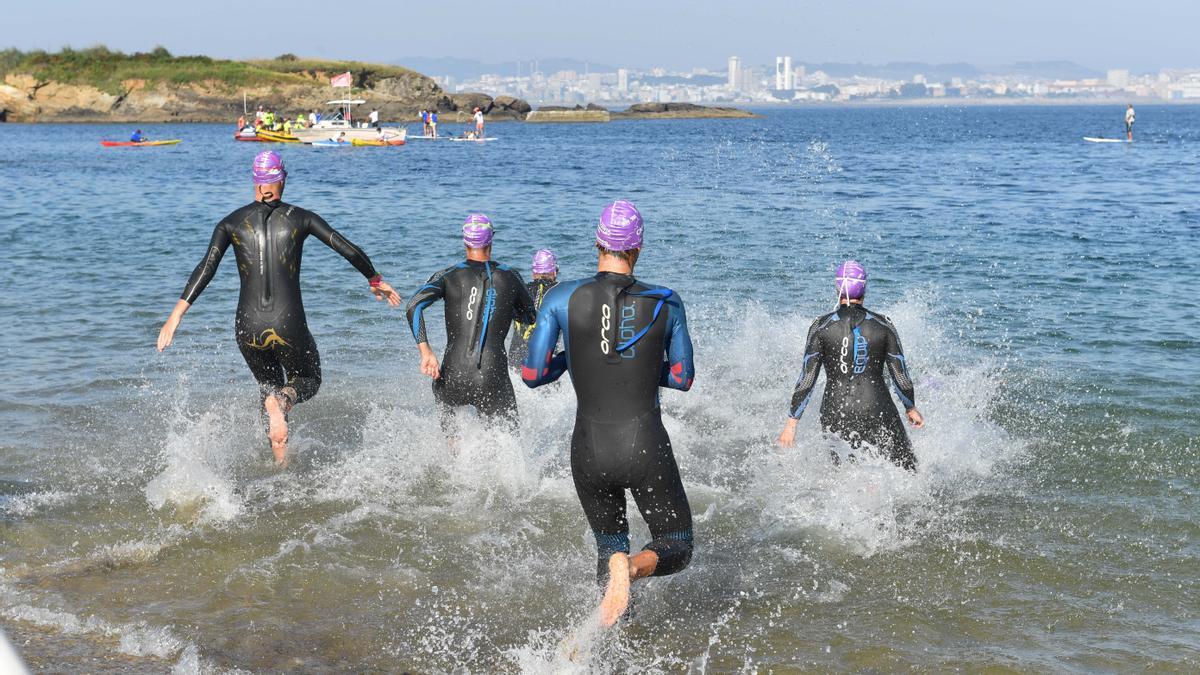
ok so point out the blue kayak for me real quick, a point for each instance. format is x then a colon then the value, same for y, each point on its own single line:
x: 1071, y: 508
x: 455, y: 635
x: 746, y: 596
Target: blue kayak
x: 331, y: 144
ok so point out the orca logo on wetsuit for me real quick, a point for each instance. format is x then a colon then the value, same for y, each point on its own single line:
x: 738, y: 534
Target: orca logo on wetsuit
x: 471, y: 303
x: 628, y: 314
x: 842, y: 356
x: 605, y: 326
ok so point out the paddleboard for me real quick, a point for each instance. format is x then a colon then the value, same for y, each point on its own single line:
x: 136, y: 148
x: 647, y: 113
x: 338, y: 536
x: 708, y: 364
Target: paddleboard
x: 140, y: 144
x: 426, y: 138
x: 472, y: 140
x: 1091, y: 139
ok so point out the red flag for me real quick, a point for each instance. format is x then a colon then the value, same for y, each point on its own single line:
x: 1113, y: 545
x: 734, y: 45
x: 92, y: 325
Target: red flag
x: 342, y: 80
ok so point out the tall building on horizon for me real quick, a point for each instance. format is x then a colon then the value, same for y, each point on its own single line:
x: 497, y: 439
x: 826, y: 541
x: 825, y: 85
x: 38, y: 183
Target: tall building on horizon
x: 623, y: 80
x: 735, y: 73
x: 784, y: 76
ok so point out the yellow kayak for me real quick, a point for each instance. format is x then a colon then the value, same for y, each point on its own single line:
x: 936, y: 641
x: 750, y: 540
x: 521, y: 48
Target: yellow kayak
x: 276, y: 136
x: 380, y: 142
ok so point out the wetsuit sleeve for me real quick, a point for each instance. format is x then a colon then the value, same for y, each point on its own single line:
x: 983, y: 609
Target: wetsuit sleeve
x: 899, y: 369
x: 320, y: 229
x: 431, y: 292
x: 208, y: 266
x: 542, y: 365
x: 524, y: 309
x: 679, y: 370
x: 808, y: 373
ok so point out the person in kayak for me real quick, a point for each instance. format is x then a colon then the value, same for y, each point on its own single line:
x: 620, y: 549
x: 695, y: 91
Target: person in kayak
x: 268, y: 236
x: 855, y: 345
x: 624, y: 339
x: 137, y: 137
x: 1130, y: 117
x: 545, y: 277
x: 482, y: 299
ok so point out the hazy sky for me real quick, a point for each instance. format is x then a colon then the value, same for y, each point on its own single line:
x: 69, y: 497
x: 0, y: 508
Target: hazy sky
x: 1138, y: 34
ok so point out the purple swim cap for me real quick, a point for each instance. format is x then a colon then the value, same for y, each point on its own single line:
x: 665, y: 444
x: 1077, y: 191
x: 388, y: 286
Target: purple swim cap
x: 477, y: 231
x: 851, y: 280
x: 544, y: 262
x: 620, y: 227
x: 268, y: 168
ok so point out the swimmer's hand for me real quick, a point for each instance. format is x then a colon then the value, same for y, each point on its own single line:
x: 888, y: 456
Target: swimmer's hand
x: 167, y: 334
x: 915, y: 418
x: 384, y: 291
x: 429, y: 362
x: 787, y: 439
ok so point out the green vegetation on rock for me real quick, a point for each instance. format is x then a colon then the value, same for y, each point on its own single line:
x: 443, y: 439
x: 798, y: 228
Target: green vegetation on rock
x: 107, y: 70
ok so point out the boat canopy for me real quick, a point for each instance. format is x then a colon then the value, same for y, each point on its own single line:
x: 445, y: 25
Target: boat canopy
x: 346, y: 101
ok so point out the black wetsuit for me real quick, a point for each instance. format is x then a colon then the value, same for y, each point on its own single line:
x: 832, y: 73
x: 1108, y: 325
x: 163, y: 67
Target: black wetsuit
x: 624, y: 339
x: 271, y: 329
x: 518, y: 347
x: 854, y: 345
x: 482, y: 301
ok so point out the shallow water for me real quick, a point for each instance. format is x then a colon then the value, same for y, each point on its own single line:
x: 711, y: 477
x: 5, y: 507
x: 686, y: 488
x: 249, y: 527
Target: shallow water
x: 1040, y: 283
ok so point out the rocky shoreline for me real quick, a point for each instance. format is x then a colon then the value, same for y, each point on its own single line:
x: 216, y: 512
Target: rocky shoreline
x: 25, y: 98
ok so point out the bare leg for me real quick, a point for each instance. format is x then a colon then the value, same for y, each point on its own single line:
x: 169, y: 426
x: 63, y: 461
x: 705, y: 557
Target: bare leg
x: 623, y: 569
x: 277, y: 406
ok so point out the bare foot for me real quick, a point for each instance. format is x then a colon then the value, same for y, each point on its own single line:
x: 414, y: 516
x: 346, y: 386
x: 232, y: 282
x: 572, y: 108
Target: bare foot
x: 616, y: 597
x: 277, y: 429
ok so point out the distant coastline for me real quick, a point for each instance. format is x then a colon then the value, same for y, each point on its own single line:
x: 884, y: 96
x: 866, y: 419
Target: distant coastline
x: 100, y: 85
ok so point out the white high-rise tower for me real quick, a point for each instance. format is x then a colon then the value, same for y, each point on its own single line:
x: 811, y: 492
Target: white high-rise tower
x: 735, y: 73
x: 785, y: 78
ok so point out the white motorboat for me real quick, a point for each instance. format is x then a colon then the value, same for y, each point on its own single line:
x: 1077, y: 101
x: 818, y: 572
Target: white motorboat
x: 330, y: 129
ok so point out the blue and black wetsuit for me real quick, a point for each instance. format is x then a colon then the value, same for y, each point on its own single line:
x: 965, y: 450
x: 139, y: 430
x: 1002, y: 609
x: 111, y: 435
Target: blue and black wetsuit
x: 518, y: 347
x: 855, y: 345
x: 624, y: 339
x: 482, y: 301
x: 271, y: 328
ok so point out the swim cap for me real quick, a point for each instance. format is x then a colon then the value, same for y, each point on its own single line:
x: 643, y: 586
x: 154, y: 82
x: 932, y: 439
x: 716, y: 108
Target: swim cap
x: 620, y: 227
x: 268, y: 168
x: 477, y: 231
x: 851, y: 280
x: 544, y: 262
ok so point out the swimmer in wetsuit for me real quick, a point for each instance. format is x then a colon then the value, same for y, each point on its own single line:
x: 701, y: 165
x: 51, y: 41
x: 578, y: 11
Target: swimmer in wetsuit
x: 482, y: 298
x: 545, y: 277
x: 268, y: 237
x: 854, y: 346
x: 624, y: 339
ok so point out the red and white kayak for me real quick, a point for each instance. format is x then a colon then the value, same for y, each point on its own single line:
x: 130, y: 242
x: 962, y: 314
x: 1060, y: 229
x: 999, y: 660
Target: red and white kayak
x: 138, y: 144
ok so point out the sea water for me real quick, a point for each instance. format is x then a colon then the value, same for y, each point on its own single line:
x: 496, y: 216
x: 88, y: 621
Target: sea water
x: 1043, y: 288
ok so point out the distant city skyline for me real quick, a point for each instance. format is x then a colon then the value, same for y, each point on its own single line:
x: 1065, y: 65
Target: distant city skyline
x: 1099, y: 34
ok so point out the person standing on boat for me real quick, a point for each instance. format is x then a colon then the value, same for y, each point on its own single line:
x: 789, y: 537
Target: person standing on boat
x: 271, y: 330
x: 374, y: 118
x: 258, y: 117
x: 1129, y: 119
x: 482, y: 299
x: 478, y: 123
x: 545, y: 277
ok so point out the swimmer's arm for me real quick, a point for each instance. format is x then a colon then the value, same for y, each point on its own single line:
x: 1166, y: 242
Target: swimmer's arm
x: 679, y: 370
x: 525, y: 309
x: 431, y: 292
x: 196, y: 284
x: 809, y: 371
x: 346, y: 248
x: 542, y: 365
x: 898, y: 367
